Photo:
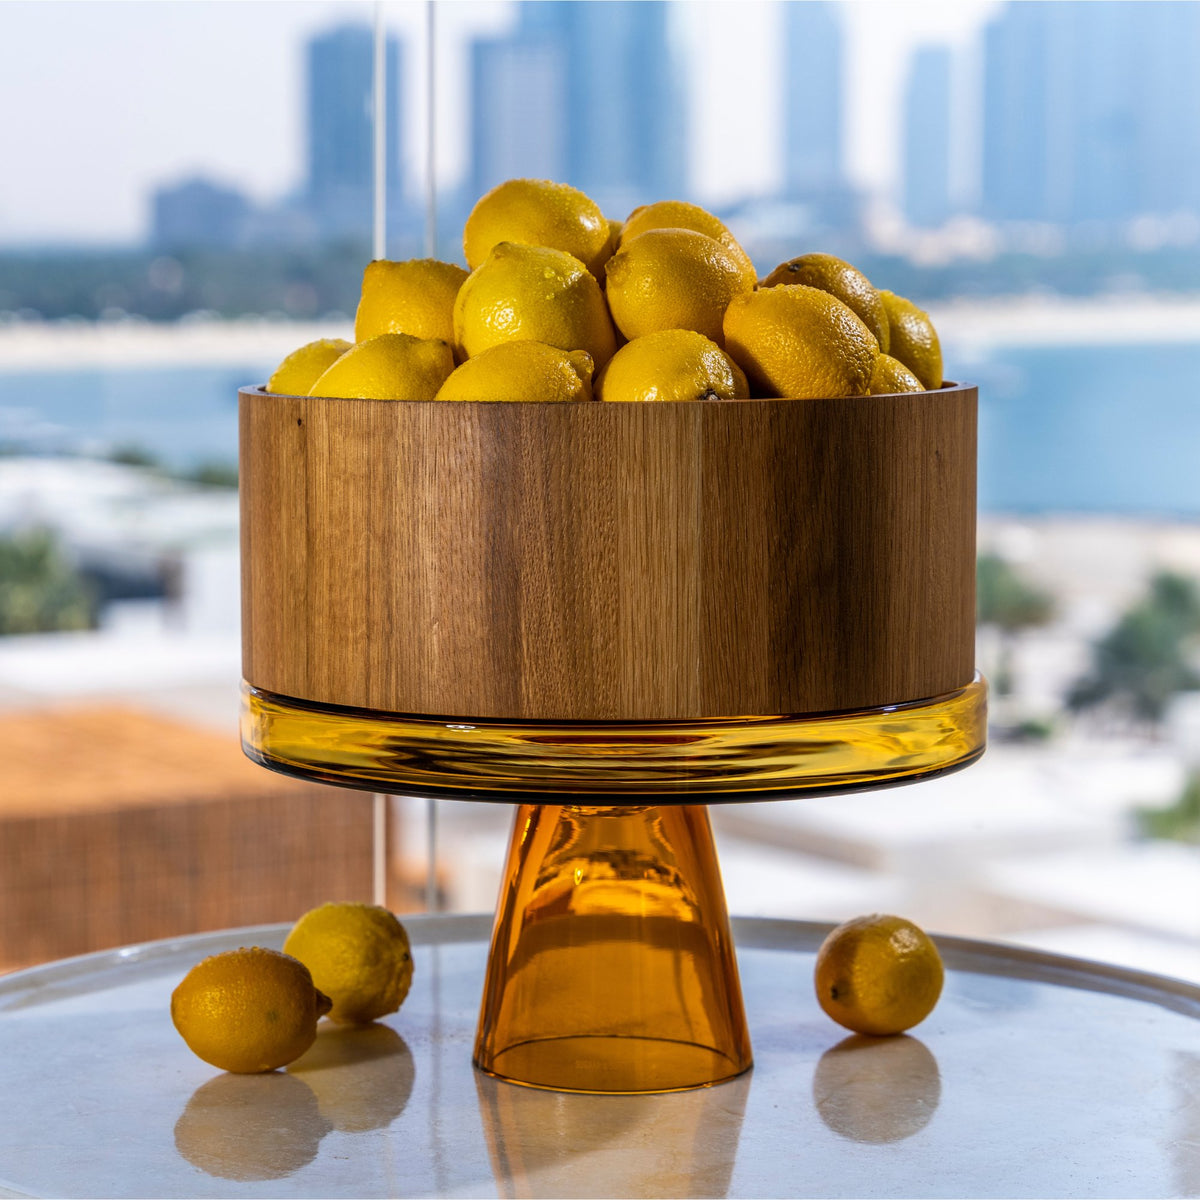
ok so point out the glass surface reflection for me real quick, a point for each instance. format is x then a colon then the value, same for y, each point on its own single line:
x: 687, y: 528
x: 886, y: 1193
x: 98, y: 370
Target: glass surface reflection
x: 362, y: 1076
x: 251, y: 1127
x: 877, y: 1090
x: 549, y: 1144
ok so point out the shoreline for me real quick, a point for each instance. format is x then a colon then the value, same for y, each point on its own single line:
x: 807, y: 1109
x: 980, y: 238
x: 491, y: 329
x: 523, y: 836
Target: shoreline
x: 965, y: 326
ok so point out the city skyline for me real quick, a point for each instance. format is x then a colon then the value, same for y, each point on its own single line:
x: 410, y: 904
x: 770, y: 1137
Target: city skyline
x: 237, y: 118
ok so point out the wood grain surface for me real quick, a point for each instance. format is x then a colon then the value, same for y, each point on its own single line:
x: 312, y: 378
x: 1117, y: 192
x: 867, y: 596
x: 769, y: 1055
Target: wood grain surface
x: 600, y: 562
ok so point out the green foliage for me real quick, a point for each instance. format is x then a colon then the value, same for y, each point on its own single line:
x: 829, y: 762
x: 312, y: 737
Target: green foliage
x: 133, y: 456
x: 212, y: 474
x: 1180, y: 822
x: 40, y: 592
x: 1141, y: 663
x: 1005, y: 600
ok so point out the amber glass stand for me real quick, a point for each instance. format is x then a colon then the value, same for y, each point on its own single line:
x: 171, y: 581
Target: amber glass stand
x: 612, y: 968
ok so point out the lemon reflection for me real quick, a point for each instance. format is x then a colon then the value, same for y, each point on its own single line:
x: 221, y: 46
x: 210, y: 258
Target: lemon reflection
x: 549, y: 1144
x: 877, y: 1090
x: 362, y: 1076
x: 248, y: 1127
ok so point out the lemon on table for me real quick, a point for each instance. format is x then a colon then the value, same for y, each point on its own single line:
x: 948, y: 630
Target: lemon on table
x: 672, y: 279
x: 878, y: 975
x: 798, y: 341
x: 248, y: 1010
x: 526, y: 293
x: 415, y: 296
x: 679, y: 214
x: 891, y: 375
x: 392, y: 366
x: 358, y: 955
x: 914, y: 341
x: 674, y: 364
x: 840, y: 279
x: 537, y: 212
x: 522, y: 371
x: 302, y: 368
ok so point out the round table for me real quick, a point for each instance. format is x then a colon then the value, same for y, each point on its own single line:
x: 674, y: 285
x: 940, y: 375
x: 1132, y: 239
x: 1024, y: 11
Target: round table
x: 1035, y: 1076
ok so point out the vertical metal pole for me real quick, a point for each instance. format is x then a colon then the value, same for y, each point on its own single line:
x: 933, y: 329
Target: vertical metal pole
x: 431, y: 888
x: 380, y: 848
x: 430, y: 129
x: 379, y: 112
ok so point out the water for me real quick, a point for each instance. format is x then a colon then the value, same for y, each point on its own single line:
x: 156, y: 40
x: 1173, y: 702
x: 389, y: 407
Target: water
x: 1112, y: 428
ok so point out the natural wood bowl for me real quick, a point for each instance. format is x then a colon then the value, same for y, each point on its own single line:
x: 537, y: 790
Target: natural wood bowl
x: 589, y: 562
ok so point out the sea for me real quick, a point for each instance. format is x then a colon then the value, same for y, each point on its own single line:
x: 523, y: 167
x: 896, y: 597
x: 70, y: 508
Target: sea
x: 1109, y: 428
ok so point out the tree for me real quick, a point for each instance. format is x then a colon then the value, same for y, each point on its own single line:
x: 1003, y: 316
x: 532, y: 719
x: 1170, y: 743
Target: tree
x: 1142, y: 662
x: 40, y: 592
x: 1007, y: 602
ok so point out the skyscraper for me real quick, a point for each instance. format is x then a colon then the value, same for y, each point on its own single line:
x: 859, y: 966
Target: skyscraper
x: 588, y: 94
x: 927, y: 137
x: 340, y: 76
x: 1091, y: 111
x: 812, y: 99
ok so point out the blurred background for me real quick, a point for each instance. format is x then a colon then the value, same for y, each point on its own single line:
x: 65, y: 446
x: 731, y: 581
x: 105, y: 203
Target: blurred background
x: 186, y: 196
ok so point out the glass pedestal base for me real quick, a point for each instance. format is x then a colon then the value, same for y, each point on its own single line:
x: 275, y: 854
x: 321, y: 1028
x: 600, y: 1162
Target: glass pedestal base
x: 612, y: 967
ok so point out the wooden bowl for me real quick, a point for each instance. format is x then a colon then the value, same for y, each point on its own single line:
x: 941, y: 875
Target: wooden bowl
x: 588, y: 564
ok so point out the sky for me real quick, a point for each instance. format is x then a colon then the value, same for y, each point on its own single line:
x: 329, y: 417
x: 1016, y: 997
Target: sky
x: 108, y: 98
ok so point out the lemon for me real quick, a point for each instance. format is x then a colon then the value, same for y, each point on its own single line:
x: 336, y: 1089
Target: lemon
x: 526, y: 293
x: 800, y: 342
x: 522, y: 371
x: 914, y: 340
x: 537, y: 212
x: 392, y: 366
x: 840, y: 279
x: 415, y: 296
x: 674, y: 364
x: 678, y: 214
x: 359, y: 953
x: 248, y: 1010
x: 672, y: 279
x: 302, y: 368
x: 878, y: 975
x: 891, y: 375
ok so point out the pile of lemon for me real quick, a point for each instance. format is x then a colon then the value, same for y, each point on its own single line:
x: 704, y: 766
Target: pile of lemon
x: 255, y: 1009
x: 562, y: 304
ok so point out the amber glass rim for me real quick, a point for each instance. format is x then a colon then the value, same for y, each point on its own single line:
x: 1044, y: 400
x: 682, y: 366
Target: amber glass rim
x: 703, y: 761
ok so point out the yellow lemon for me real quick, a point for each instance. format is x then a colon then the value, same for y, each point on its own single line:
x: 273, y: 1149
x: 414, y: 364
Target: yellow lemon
x: 678, y: 214
x: 878, y: 975
x: 891, y: 375
x: 675, y: 364
x: 248, y: 1010
x: 526, y: 293
x: 800, y: 342
x: 302, y: 368
x: 537, y: 212
x: 840, y: 279
x: 414, y: 297
x: 672, y: 279
x: 914, y: 340
x: 392, y: 366
x: 522, y: 371
x: 360, y: 955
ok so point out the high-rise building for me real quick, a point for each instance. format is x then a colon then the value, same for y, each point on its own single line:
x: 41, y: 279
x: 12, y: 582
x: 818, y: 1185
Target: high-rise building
x: 341, y: 155
x: 588, y: 94
x: 812, y: 75
x: 927, y: 137
x: 1091, y: 111
x: 198, y: 213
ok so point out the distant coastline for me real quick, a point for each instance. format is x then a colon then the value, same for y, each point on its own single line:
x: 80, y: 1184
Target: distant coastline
x: 963, y: 324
